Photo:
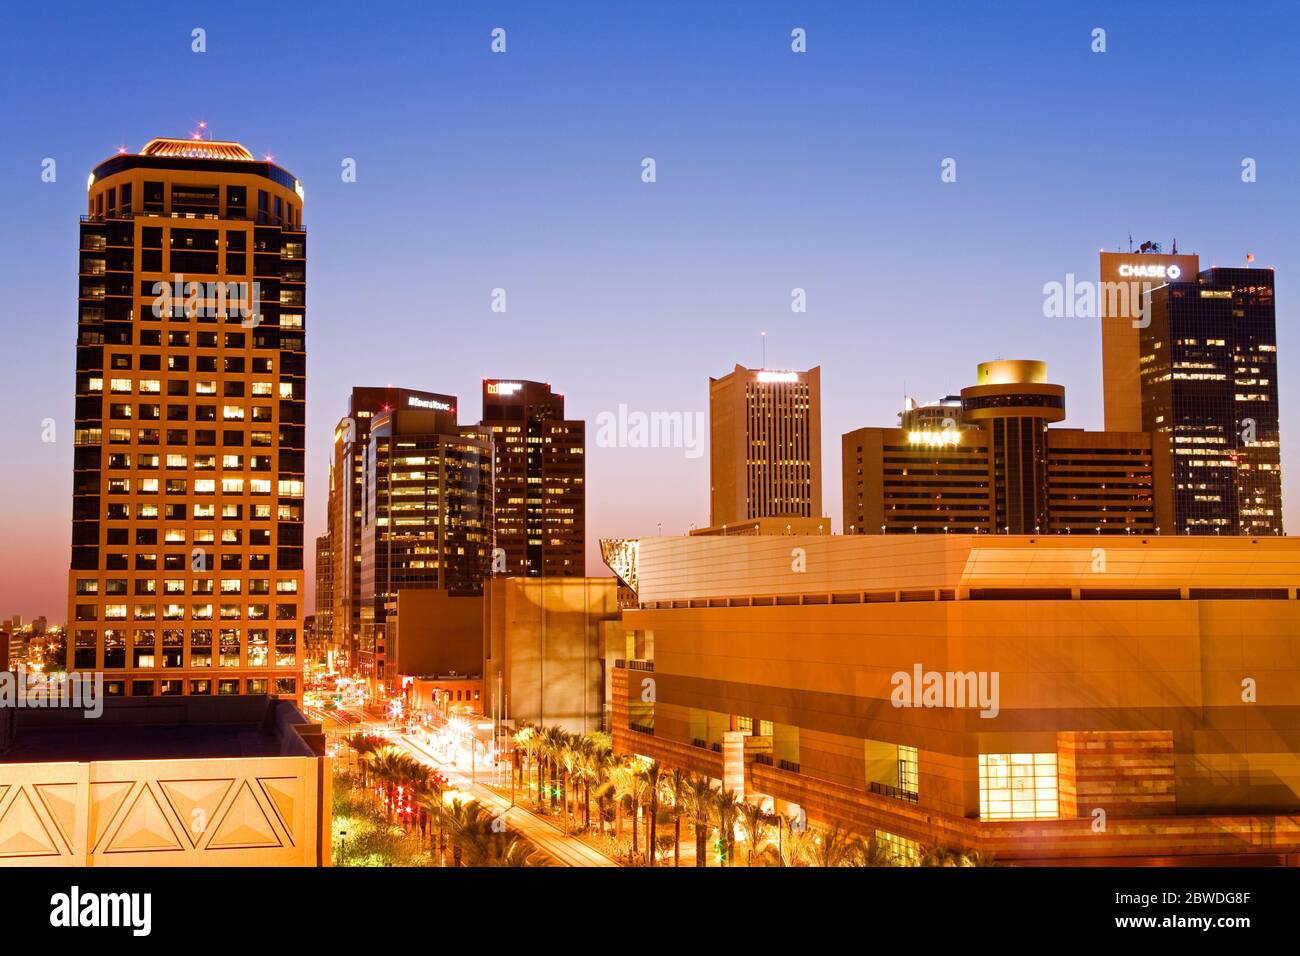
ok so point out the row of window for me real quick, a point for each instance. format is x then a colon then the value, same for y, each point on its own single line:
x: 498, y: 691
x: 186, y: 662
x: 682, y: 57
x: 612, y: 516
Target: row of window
x: 91, y: 586
x: 176, y: 612
x: 199, y: 687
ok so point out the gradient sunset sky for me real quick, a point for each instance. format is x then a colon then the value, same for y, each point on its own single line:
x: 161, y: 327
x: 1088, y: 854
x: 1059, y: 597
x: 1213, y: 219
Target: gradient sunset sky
x: 775, y: 171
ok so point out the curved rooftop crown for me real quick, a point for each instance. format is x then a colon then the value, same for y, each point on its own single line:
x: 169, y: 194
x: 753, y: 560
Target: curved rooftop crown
x: 195, y: 149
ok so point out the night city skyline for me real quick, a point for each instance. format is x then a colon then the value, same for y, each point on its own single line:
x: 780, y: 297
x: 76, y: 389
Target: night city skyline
x: 447, y: 441
x: 773, y: 173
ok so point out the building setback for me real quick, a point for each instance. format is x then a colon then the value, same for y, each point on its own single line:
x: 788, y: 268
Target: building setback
x: 540, y: 475
x: 764, y: 445
x: 992, y: 465
x: 187, y: 569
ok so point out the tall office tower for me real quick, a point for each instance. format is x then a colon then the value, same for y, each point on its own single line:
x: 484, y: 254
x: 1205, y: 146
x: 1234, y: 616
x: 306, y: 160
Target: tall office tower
x: 1209, y: 395
x: 765, y: 445
x: 993, y: 465
x: 351, y: 441
x: 187, y: 535
x: 426, y: 514
x: 324, y: 627
x: 541, y: 468
x: 1127, y: 279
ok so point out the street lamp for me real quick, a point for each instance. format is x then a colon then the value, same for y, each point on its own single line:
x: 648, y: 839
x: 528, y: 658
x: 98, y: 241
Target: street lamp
x: 343, y: 847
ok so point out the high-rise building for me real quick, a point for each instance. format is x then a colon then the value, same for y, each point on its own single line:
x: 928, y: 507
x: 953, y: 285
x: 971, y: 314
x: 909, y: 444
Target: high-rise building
x: 351, y: 442
x: 765, y: 445
x: 426, y: 513
x: 323, y: 626
x: 991, y: 464
x: 541, y: 468
x: 1124, y: 296
x: 187, y: 567
x: 1209, y: 396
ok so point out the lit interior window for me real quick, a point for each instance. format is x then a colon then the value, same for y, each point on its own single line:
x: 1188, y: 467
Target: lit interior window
x: 1018, y: 787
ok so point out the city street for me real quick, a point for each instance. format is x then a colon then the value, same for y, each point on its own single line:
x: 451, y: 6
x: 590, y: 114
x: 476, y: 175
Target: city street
x: 567, y: 851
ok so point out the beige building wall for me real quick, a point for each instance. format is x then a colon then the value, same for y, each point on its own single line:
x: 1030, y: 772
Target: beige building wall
x: 544, y: 651
x: 256, y: 811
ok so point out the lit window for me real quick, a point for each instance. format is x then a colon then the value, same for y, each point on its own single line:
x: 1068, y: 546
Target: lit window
x: 1018, y: 787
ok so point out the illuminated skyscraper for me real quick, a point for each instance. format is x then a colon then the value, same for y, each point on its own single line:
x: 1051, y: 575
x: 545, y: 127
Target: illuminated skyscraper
x: 1209, y: 396
x: 765, y: 445
x: 187, y: 570
x: 345, y: 509
x: 426, y: 515
x: 541, y: 476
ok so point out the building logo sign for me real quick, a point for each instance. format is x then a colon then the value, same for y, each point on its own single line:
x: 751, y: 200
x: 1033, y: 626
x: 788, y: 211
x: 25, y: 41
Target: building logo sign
x: 503, y: 388
x: 1169, y: 272
x: 769, y: 377
x: 935, y: 439
x: 427, y: 403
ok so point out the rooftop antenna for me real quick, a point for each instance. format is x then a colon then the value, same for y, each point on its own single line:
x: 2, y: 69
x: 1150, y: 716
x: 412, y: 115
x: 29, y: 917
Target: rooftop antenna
x: 764, y: 365
x: 1175, y: 252
x: 1130, y: 242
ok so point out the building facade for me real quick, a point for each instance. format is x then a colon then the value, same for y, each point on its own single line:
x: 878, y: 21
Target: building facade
x: 426, y: 512
x: 1209, y: 395
x: 344, y: 512
x: 764, y: 445
x: 187, y: 566
x: 1127, y: 280
x: 541, y: 477
x: 981, y: 692
x: 992, y: 465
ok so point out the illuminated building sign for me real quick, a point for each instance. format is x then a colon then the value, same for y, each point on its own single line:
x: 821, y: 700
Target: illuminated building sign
x: 949, y: 436
x: 1170, y: 272
x: 766, y: 376
x: 427, y: 403
x: 503, y: 388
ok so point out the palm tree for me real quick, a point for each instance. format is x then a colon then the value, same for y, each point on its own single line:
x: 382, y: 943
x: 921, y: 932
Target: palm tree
x: 875, y: 852
x: 832, y: 847
x: 728, y: 809
x: 363, y: 745
x: 387, y: 766
x: 554, y: 741
x: 700, y: 804
x: 622, y: 786
x: 429, y: 799
x: 467, y: 829
x: 675, y: 788
x: 649, y: 776
x: 527, y: 739
x: 512, y: 850
x: 796, y: 840
x: 753, y: 820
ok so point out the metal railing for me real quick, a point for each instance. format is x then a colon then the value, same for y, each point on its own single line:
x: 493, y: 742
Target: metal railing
x: 897, y: 793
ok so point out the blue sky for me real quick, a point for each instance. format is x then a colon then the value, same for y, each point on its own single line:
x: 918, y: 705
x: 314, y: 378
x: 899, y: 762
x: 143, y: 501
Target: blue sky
x: 775, y: 170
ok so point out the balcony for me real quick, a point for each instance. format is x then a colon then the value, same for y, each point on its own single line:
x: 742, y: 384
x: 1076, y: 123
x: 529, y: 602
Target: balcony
x: 897, y: 793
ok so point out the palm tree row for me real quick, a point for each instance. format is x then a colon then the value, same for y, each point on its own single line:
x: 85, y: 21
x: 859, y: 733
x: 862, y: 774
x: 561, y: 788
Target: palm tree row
x: 417, y: 796
x: 563, y: 772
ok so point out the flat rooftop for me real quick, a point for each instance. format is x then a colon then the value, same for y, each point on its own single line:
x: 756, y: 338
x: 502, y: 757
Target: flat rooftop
x: 686, y: 568
x: 159, y: 728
